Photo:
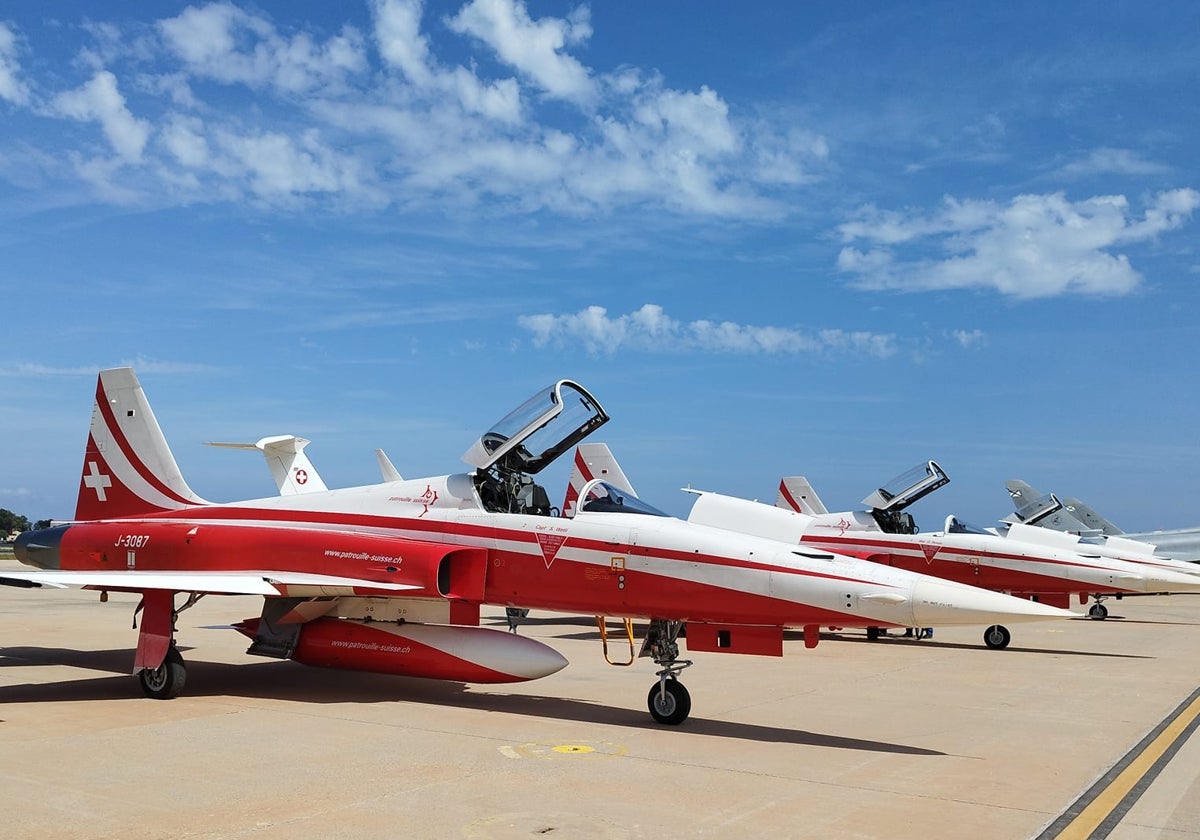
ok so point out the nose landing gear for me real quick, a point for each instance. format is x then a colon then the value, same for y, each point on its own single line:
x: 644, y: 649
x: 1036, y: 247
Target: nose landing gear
x: 669, y: 701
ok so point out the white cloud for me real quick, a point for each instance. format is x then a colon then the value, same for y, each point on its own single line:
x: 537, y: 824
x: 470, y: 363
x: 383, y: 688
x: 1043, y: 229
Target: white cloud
x: 968, y: 338
x: 533, y: 48
x: 1035, y: 246
x: 401, y: 44
x: 399, y: 39
x: 278, y: 165
x: 1107, y: 161
x: 100, y: 101
x: 12, y: 88
x: 329, y: 119
x: 222, y: 42
x: 650, y: 328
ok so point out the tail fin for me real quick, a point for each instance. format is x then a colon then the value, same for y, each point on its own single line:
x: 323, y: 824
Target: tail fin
x: 386, y: 468
x: 795, y: 493
x: 1090, y: 518
x: 593, y: 460
x: 293, y: 472
x: 128, y: 469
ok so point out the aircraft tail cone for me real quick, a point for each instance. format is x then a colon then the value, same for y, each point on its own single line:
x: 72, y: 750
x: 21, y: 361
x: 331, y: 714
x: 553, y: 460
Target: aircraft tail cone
x: 944, y: 604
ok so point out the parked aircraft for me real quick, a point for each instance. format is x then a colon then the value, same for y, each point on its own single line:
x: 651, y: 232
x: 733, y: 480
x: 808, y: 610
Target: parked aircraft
x: 1071, y: 515
x: 391, y: 577
x: 1018, y: 562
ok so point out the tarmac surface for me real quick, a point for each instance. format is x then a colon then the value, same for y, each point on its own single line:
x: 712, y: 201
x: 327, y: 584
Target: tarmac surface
x: 898, y: 738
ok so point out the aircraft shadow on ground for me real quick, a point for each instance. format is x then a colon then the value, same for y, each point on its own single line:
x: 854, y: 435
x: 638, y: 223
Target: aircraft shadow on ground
x: 1123, y: 620
x: 617, y: 637
x: 903, y: 641
x: 291, y: 682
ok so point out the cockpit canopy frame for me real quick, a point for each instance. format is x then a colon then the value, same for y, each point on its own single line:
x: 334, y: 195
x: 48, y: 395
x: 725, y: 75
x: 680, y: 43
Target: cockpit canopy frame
x: 908, y: 487
x: 534, y: 434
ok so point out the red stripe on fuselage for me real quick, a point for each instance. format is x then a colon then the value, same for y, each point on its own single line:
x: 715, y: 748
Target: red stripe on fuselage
x: 439, y: 528
x: 951, y: 563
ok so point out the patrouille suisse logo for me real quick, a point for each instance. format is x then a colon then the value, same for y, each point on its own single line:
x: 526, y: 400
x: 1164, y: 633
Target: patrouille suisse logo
x: 550, y: 544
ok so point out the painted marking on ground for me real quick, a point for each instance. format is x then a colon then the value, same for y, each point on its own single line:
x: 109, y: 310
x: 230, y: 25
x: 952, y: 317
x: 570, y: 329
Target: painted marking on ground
x: 591, y: 749
x: 1101, y: 808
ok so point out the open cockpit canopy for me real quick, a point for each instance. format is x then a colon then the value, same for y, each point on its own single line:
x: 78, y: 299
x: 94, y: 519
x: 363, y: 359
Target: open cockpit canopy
x: 907, y: 487
x: 531, y: 436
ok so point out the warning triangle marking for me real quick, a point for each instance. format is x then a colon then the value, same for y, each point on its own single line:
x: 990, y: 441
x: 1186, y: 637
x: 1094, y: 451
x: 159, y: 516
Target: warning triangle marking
x: 550, y: 544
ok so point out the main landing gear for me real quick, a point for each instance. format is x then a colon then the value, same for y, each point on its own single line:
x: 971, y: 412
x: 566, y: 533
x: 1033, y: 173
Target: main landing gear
x: 1098, y: 611
x: 668, y: 700
x: 997, y: 637
x: 160, y: 678
x: 165, y: 681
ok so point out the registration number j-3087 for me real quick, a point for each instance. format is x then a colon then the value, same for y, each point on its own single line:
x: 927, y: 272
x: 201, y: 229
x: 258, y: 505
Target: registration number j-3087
x: 132, y: 541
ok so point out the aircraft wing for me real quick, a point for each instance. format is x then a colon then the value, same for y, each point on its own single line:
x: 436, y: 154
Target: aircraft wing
x: 269, y: 583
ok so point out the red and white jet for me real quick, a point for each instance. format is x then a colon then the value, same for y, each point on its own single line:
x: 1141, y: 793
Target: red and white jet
x: 391, y: 577
x: 1023, y: 562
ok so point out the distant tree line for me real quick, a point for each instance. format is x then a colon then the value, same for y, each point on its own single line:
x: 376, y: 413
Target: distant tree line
x: 11, y: 522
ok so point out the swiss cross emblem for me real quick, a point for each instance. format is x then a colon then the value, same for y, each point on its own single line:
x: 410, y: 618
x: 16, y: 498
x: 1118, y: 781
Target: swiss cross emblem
x: 550, y: 544
x: 97, y: 481
x: 302, y: 476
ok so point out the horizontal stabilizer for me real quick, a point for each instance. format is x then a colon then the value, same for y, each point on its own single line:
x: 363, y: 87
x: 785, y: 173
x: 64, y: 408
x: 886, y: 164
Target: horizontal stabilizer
x: 290, y: 467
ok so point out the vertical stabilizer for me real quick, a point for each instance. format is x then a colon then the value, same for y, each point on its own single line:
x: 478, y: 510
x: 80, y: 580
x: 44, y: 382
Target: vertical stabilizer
x: 795, y: 493
x: 386, y: 468
x: 1090, y: 518
x: 128, y: 469
x: 291, y: 469
x: 593, y: 460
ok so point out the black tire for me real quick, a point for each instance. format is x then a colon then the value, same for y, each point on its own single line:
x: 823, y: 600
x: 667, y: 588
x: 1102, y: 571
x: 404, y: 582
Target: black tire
x: 1099, y: 612
x: 872, y: 633
x: 165, y: 681
x: 672, y: 709
x: 997, y: 637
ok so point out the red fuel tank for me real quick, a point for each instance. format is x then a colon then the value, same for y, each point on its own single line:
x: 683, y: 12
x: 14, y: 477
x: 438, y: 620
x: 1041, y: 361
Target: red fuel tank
x: 433, y: 651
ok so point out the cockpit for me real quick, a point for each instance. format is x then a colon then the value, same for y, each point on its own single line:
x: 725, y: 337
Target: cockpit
x: 525, y: 441
x: 887, y: 503
x: 954, y: 525
x: 601, y: 497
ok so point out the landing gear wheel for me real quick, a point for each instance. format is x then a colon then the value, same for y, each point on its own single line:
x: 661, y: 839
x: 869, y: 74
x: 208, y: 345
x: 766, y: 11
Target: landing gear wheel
x: 997, y: 637
x: 1098, y: 611
x: 165, y: 681
x: 872, y: 633
x: 669, y: 702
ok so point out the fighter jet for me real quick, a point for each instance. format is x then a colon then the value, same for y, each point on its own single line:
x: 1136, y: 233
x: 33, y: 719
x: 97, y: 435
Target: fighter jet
x: 391, y: 577
x: 1071, y: 515
x: 1018, y: 562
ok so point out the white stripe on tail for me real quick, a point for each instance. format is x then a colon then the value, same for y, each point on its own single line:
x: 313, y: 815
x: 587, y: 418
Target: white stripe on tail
x: 128, y: 469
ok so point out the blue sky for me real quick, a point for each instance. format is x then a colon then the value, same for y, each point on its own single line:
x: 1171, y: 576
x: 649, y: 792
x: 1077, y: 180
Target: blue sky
x: 830, y: 239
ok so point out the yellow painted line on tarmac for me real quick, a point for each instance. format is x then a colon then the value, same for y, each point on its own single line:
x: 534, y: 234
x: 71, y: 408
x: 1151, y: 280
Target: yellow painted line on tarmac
x: 1098, y: 811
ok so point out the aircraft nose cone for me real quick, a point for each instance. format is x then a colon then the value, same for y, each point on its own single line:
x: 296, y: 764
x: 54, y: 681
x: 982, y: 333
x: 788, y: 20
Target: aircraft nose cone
x: 1169, y: 580
x: 942, y: 603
